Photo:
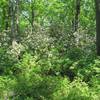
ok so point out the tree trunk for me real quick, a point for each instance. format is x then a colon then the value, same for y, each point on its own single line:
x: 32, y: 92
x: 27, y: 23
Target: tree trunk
x: 32, y: 15
x: 17, y: 16
x: 7, y: 19
x: 97, y: 4
x: 12, y: 19
x: 77, y: 13
x: 14, y: 10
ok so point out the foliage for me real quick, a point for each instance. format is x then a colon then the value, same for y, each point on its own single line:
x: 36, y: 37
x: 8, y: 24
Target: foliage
x: 42, y: 57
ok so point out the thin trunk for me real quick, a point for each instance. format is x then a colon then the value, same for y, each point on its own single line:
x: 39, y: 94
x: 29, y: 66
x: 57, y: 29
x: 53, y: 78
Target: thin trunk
x: 13, y: 25
x: 32, y: 15
x: 97, y: 4
x: 12, y: 20
x: 7, y: 20
x: 32, y: 19
x: 17, y: 16
x: 77, y: 13
x: 4, y: 18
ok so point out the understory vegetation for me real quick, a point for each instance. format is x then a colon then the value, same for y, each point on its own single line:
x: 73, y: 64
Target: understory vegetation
x: 51, y: 59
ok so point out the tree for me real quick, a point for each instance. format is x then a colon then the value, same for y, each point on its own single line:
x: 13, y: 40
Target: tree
x: 17, y: 16
x: 77, y: 13
x: 12, y: 11
x: 97, y: 4
x: 32, y: 15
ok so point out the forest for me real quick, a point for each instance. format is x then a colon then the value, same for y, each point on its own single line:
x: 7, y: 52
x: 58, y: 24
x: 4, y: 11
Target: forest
x: 49, y: 49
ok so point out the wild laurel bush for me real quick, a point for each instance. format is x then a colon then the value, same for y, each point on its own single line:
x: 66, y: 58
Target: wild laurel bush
x: 49, y: 68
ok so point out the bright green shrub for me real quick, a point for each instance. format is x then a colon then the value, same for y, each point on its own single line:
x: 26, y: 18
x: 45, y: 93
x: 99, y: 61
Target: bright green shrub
x: 6, y: 87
